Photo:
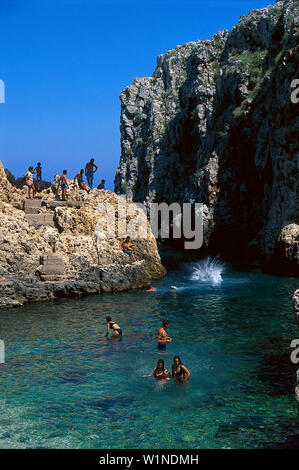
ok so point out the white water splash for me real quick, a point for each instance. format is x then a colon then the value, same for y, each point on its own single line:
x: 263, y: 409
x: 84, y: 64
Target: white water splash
x: 208, y: 270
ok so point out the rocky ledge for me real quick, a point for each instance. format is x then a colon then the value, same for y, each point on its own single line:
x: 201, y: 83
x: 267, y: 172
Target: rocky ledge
x: 50, y: 248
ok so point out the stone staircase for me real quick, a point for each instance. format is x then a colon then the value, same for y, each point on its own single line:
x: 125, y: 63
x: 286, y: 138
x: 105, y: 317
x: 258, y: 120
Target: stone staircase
x: 34, y: 216
x: 52, y: 267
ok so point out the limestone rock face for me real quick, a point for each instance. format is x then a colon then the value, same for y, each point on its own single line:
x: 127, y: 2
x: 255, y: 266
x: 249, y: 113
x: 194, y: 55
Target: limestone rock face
x: 75, y: 254
x: 215, y: 124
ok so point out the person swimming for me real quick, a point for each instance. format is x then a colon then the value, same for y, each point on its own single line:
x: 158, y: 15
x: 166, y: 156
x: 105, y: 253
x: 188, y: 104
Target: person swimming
x: 160, y: 372
x: 162, y: 336
x: 111, y: 325
x: 179, y: 371
x: 149, y: 288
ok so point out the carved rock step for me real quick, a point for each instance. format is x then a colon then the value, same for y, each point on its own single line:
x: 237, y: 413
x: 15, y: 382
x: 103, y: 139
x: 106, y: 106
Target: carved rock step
x: 32, y: 206
x: 51, y: 265
x: 53, y: 204
x: 36, y: 220
x: 52, y: 277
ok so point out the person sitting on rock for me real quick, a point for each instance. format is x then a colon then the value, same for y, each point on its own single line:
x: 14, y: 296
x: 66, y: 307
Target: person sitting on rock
x: 38, y: 171
x: 111, y: 325
x: 90, y: 169
x: 102, y: 185
x: 29, y: 181
x: 81, y: 183
x: 126, y: 246
x: 63, y: 184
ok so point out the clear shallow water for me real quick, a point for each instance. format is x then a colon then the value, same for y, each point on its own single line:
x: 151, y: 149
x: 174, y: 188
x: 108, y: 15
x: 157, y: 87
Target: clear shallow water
x: 65, y: 385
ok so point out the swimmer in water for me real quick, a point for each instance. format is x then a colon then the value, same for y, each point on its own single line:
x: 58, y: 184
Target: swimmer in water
x: 150, y: 289
x: 160, y: 372
x: 179, y: 371
x: 162, y: 336
x: 111, y: 325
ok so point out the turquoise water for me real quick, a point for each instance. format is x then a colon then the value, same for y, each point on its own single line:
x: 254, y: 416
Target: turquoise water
x: 65, y: 385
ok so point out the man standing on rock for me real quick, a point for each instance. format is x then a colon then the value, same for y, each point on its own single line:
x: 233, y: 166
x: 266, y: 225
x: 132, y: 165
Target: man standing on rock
x: 38, y: 171
x: 90, y: 169
x: 63, y: 184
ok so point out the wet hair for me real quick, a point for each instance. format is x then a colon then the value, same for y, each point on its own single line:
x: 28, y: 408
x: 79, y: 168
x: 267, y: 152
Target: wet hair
x: 162, y: 361
x: 108, y: 318
x: 177, y: 357
x: 64, y: 172
x: 165, y: 322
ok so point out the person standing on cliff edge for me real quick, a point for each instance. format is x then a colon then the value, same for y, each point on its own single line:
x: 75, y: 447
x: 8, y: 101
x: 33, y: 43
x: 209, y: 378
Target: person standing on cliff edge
x: 90, y: 169
x: 63, y: 184
x: 38, y: 171
x: 29, y: 181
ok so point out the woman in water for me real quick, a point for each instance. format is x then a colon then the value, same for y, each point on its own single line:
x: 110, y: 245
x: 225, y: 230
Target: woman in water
x: 160, y: 372
x: 179, y: 370
x: 111, y: 325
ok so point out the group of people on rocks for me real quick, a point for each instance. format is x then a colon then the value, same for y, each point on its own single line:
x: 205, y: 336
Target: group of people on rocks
x: 90, y: 169
x: 29, y: 179
x: 178, y: 370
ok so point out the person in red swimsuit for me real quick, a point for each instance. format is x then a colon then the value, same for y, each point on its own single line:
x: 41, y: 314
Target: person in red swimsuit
x: 160, y: 372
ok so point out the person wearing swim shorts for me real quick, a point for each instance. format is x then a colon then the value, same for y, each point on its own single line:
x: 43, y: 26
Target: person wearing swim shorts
x: 112, y: 326
x: 63, y: 184
x: 179, y: 371
x: 90, y: 169
x: 38, y: 171
x: 29, y: 181
x: 81, y: 183
x: 163, y: 339
x: 126, y: 246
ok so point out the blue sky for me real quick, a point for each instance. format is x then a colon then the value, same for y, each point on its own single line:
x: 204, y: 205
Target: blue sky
x: 65, y: 63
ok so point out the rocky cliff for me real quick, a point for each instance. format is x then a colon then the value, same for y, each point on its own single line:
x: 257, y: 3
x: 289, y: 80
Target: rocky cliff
x: 56, y: 249
x: 215, y: 124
